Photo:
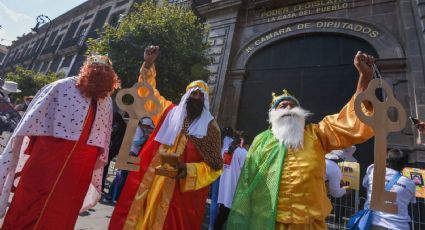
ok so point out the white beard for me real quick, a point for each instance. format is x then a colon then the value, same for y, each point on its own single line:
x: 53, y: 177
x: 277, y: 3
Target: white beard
x: 289, y: 129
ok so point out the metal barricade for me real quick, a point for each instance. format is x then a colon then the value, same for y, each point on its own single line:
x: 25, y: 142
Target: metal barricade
x: 346, y: 206
x: 343, y: 209
x: 417, y: 214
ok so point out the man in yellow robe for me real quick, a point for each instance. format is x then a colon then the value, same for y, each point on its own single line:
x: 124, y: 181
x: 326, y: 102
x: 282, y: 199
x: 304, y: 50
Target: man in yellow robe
x: 151, y: 201
x: 282, y: 183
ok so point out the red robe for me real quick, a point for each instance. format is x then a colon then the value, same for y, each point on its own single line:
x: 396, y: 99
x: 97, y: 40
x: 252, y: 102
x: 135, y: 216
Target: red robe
x: 54, y: 182
x: 186, y: 209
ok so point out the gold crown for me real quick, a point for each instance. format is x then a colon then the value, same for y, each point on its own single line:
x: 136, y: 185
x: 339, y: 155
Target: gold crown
x: 284, y: 95
x: 198, y: 83
x: 98, y: 59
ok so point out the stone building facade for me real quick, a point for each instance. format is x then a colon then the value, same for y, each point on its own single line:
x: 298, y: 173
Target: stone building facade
x: 307, y: 47
x: 59, y: 46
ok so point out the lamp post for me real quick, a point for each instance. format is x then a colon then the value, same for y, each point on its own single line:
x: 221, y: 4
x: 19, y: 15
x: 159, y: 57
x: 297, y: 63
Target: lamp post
x: 41, y: 20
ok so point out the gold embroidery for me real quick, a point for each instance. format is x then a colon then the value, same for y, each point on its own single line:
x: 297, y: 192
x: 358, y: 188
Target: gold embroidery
x: 138, y: 215
x: 210, y: 146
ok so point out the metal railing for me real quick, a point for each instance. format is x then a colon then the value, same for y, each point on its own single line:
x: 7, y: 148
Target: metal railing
x: 417, y: 213
x: 346, y: 206
x: 343, y: 209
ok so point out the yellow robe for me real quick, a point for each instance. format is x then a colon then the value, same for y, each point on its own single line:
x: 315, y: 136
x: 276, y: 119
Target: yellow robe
x: 302, y: 198
x: 151, y: 203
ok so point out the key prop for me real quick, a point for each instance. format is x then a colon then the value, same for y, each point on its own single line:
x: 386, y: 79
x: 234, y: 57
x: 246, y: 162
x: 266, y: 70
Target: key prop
x: 380, y: 122
x: 135, y: 110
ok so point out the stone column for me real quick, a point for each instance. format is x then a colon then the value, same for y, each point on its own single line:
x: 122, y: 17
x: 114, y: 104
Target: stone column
x: 231, y: 97
x: 221, y: 16
x: 412, y: 22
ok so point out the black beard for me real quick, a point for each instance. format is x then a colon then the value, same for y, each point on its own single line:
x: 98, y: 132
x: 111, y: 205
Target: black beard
x: 194, y: 108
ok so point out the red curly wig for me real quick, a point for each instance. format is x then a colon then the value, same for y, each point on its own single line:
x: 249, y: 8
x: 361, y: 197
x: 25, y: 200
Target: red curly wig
x: 97, y: 81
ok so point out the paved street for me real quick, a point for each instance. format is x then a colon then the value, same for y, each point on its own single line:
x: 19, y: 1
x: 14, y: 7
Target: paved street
x: 96, y: 218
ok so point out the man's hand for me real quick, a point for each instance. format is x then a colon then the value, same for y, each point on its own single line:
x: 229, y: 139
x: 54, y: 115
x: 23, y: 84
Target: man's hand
x: 421, y: 127
x: 150, y: 55
x: 347, y: 189
x: 181, y: 171
x: 363, y: 63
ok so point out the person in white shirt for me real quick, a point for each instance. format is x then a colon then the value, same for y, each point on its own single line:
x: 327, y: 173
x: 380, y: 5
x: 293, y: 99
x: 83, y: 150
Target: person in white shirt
x: 333, y: 172
x: 233, y: 159
x: 404, y: 187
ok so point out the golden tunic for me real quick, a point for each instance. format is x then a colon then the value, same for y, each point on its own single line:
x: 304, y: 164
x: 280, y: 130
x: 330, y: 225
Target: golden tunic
x: 302, y: 196
x: 151, y: 204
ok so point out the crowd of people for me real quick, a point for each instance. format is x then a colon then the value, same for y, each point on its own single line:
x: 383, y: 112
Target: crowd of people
x: 62, y: 147
x: 9, y: 112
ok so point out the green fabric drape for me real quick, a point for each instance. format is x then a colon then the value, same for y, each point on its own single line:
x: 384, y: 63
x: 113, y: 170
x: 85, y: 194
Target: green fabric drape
x: 255, y: 199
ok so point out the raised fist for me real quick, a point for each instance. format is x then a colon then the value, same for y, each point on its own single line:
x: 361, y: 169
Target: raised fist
x: 150, y: 55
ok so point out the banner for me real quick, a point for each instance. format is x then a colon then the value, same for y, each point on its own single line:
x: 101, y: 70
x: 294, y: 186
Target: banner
x: 417, y: 175
x: 350, y: 174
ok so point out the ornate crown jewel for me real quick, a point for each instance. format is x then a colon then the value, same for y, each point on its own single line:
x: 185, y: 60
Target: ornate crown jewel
x: 99, y: 59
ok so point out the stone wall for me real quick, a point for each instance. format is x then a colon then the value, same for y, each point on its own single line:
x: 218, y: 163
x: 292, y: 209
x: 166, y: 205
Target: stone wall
x: 395, y: 28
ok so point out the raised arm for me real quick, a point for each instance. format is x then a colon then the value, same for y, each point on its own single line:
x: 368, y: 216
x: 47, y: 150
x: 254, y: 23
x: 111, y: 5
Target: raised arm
x: 148, y: 73
x: 344, y: 129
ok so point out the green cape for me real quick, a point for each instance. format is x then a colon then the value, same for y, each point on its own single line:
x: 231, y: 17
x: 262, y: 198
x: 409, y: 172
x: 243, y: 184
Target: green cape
x: 255, y: 200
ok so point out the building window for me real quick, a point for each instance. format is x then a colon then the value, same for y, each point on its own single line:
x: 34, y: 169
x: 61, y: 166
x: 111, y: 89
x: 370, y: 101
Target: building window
x: 37, y: 66
x: 52, y: 38
x: 58, y: 40
x: 115, y: 18
x: 24, y: 50
x: 83, y: 30
x: 41, y: 67
x: 71, y: 30
x: 55, y: 64
x: 45, y: 67
x: 67, y: 61
x: 82, y: 33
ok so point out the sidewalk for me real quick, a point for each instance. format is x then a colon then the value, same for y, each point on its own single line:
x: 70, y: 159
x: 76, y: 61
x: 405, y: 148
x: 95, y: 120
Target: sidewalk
x: 99, y: 216
x: 96, y: 218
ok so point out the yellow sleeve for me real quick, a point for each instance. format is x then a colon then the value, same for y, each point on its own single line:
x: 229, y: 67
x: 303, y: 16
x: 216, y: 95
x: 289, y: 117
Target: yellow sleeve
x: 199, y: 175
x: 344, y: 129
x: 151, y: 80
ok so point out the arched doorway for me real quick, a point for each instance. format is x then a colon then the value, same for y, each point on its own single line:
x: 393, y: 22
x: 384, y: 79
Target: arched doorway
x: 317, y: 68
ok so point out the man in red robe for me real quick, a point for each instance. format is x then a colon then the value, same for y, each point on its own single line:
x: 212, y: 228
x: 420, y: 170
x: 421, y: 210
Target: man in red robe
x: 151, y: 201
x: 68, y: 125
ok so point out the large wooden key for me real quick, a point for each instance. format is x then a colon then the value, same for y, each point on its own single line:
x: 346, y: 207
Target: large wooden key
x: 381, y: 200
x: 136, y: 110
